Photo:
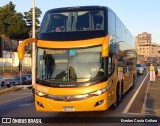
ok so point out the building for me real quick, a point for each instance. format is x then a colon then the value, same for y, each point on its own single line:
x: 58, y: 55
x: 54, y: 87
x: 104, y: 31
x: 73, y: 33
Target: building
x: 145, y: 47
x: 144, y: 38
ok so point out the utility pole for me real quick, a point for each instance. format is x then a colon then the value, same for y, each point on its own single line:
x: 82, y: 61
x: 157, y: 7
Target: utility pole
x: 33, y: 44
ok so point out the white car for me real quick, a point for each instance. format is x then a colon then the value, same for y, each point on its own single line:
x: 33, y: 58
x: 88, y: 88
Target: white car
x: 1, y: 81
x: 140, y: 68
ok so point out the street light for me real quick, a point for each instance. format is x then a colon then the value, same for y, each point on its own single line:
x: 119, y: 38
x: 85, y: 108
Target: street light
x: 33, y: 44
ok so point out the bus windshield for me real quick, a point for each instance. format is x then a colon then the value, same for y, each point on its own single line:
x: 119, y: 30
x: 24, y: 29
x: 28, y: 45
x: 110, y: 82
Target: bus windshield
x: 72, y: 21
x: 70, y: 65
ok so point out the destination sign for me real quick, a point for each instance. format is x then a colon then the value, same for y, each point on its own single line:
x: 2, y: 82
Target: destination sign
x: 56, y: 52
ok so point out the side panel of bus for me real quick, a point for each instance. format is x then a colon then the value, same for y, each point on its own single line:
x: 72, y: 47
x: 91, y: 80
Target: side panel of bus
x: 122, y: 46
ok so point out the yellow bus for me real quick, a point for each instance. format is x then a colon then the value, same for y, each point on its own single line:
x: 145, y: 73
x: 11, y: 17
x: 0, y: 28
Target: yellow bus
x: 85, y: 60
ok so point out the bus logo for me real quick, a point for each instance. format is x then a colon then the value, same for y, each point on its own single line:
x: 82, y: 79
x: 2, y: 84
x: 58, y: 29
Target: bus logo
x: 67, y: 99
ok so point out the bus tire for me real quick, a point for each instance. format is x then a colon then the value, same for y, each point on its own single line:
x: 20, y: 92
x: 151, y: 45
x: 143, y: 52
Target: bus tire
x: 2, y: 84
x: 118, y: 97
x: 133, y: 84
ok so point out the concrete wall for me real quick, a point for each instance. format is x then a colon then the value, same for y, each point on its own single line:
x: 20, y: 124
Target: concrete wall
x: 11, y: 59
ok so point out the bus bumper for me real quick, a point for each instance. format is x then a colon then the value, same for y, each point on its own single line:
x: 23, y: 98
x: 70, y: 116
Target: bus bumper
x: 95, y: 103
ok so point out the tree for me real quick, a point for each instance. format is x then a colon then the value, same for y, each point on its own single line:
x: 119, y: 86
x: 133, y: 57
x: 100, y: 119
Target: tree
x: 28, y: 17
x: 12, y: 24
x: 19, y: 29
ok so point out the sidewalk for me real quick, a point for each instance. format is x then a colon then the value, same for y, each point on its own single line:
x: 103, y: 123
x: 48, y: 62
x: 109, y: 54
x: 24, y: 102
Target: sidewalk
x: 152, y: 99
x: 15, y: 88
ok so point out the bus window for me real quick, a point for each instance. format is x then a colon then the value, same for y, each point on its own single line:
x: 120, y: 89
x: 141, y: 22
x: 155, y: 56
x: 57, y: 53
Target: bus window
x: 90, y: 21
x: 111, y: 64
x: 73, y: 21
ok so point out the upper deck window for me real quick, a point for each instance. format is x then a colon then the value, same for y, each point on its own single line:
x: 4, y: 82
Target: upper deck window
x: 72, y: 21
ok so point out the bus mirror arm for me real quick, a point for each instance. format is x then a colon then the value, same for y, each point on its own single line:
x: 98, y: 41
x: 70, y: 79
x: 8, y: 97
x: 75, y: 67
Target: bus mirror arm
x: 21, y: 47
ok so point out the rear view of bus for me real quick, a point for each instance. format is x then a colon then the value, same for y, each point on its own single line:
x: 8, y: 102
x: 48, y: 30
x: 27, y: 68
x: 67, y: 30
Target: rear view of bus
x: 78, y: 59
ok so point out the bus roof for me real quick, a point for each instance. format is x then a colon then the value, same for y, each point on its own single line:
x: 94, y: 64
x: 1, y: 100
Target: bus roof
x: 79, y: 8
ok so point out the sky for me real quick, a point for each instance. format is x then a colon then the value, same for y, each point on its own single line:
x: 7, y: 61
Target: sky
x: 137, y: 15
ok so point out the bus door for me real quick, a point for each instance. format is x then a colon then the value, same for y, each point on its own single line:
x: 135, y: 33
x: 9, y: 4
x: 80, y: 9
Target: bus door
x: 127, y: 74
x: 112, y: 77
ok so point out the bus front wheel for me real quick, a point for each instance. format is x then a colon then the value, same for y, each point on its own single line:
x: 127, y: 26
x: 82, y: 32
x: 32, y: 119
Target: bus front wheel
x: 118, y: 97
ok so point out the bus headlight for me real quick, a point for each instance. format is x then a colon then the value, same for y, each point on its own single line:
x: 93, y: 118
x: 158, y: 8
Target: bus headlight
x: 41, y: 94
x: 99, y: 92
x: 96, y: 93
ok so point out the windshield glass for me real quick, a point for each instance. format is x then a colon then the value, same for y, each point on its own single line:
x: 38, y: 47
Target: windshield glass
x: 72, y: 21
x: 67, y: 66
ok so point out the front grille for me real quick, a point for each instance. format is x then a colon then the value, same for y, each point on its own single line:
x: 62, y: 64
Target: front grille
x: 68, y: 98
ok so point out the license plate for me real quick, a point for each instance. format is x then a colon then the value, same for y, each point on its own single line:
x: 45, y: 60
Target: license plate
x: 68, y: 108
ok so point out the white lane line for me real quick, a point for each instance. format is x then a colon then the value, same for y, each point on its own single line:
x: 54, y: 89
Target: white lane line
x: 25, y: 105
x: 14, y: 99
x: 20, y: 94
x: 134, y: 96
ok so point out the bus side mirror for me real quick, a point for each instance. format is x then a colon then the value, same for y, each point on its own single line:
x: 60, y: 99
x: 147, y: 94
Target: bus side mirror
x: 21, y: 47
x: 105, y: 46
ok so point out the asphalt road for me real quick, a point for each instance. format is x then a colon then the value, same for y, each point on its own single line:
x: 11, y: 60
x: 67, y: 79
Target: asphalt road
x: 20, y: 104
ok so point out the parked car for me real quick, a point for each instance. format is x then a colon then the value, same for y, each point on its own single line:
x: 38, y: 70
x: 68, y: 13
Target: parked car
x: 7, y: 81
x: 27, y: 79
x: 1, y: 81
x: 140, y: 68
x: 28, y: 75
x: 16, y: 81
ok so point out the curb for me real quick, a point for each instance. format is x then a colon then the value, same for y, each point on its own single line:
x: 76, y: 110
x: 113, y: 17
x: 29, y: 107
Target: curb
x: 15, y: 88
x: 151, y: 111
x: 145, y: 99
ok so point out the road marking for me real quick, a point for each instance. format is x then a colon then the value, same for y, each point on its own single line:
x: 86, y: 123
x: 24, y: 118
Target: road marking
x: 25, y: 105
x: 138, y: 114
x: 134, y: 96
x: 14, y: 99
x: 19, y: 94
x: 142, y: 114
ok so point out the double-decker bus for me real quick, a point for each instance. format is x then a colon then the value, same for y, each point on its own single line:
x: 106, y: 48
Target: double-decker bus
x: 85, y: 60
